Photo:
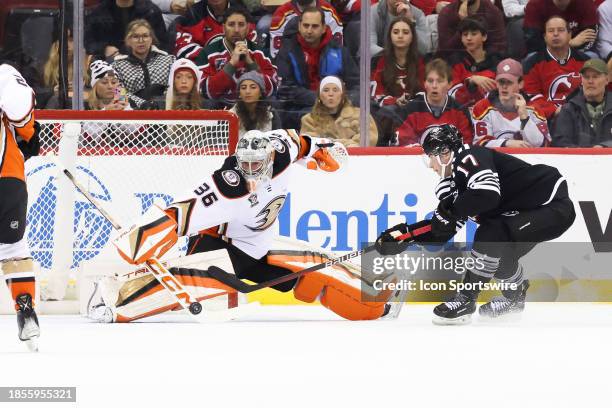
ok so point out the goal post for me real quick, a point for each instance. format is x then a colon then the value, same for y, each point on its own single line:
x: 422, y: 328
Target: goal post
x: 128, y: 160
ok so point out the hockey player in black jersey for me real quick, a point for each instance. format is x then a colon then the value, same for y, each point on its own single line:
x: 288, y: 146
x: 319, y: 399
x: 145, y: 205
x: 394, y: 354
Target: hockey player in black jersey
x: 516, y: 205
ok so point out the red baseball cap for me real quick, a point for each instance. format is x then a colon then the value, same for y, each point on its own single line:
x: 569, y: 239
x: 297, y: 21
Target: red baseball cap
x: 509, y: 69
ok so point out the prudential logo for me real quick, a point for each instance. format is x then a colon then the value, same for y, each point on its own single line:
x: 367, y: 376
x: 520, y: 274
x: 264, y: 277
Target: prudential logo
x: 90, y: 232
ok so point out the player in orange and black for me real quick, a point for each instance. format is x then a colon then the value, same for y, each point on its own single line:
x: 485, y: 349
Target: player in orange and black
x: 18, y: 142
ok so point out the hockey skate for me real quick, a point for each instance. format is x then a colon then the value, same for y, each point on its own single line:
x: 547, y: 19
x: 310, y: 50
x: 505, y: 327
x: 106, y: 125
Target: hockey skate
x: 456, y: 311
x: 513, y: 302
x: 27, y: 321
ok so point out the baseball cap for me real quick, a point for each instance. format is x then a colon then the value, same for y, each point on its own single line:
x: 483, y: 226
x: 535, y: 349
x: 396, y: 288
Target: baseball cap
x: 595, y: 64
x: 509, y: 69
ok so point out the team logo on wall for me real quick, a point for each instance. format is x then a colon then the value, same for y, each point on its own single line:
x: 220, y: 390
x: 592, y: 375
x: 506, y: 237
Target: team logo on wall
x: 90, y: 230
x: 231, y: 177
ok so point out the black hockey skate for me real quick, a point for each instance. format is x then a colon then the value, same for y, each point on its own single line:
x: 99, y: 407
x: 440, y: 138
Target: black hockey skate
x: 456, y: 311
x: 29, y: 331
x: 511, y: 302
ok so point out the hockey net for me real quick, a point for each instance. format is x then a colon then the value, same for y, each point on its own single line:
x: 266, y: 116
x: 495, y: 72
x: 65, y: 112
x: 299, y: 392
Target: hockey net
x: 128, y: 161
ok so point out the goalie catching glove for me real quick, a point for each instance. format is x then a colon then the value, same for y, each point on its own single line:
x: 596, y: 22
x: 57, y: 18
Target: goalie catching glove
x: 322, y: 153
x: 152, y: 237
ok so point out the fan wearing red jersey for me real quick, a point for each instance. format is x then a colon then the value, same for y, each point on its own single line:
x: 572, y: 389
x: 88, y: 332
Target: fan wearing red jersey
x: 554, y: 73
x: 432, y: 108
x: 202, y: 24
x: 230, y: 217
x: 473, y: 67
x: 503, y: 118
x: 18, y: 142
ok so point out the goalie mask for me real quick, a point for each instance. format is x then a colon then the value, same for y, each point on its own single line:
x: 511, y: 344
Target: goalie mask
x: 440, y: 144
x: 254, y: 156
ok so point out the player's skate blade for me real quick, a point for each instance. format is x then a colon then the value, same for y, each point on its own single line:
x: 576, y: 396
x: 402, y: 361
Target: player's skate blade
x: 101, y: 313
x: 27, y: 321
x: 456, y: 311
x: 457, y: 321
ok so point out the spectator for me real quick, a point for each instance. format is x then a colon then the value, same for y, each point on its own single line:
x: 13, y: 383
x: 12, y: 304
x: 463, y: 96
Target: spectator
x: 107, y: 94
x: 51, y: 76
x: 106, y: 26
x: 384, y: 12
x: 514, y: 11
x: 474, y: 67
x: 604, y: 40
x: 184, y: 86
x: 552, y: 74
x: 504, y: 118
x: 350, y: 16
x: 231, y: 56
x: 294, y: 8
x: 305, y: 58
x: 252, y: 109
x: 449, y: 37
x: 434, y: 107
x: 610, y: 73
x: 397, y: 71
x: 333, y: 116
x: 145, y: 70
x: 172, y: 9
x: 586, y: 119
x: 106, y: 90
x: 580, y: 15
x: 202, y: 24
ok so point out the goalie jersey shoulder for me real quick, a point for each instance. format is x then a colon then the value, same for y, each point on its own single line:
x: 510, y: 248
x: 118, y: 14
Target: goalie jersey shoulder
x: 230, y: 183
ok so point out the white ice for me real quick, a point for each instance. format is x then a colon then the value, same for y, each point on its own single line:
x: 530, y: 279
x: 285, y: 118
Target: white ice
x: 557, y: 355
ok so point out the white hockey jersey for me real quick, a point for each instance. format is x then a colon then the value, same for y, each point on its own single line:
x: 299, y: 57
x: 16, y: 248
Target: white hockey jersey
x: 493, y: 127
x: 222, y: 206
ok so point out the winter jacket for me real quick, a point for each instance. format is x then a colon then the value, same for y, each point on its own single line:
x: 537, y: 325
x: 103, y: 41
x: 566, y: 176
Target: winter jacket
x: 344, y: 129
x: 380, y: 20
x: 298, y: 86
x: 573, y: 126
x: 144, y: 80
x: 104, y: 25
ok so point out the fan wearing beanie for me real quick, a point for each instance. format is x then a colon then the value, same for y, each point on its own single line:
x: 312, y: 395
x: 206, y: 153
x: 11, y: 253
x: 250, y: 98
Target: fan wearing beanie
x: 253, y: 110
x: 334, y: 116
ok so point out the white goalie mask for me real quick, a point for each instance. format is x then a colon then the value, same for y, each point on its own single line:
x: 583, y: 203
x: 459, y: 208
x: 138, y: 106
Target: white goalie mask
x: 254, y: 156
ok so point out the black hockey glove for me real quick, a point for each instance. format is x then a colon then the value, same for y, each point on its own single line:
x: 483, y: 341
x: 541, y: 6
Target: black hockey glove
x: 443, y: 222
x: 387, y: 242
x: 31, y: 148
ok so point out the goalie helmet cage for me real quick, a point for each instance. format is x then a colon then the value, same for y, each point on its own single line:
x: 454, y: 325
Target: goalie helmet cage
x: 128, y: 160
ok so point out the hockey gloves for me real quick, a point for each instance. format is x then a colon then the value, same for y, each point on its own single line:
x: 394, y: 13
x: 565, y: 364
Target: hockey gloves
x: 389, y: 242
x: 443, y: 222
x: 32, y: 147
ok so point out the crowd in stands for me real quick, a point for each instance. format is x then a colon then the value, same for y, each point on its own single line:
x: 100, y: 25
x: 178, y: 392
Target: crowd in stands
x: 506, y: 73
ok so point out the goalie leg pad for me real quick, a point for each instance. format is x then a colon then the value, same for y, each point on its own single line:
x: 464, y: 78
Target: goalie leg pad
x: 143, y: 296
x: 338, y: 296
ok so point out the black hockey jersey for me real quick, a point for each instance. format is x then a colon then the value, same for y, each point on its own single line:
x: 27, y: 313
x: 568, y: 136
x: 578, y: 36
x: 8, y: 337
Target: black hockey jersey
x: 486, y: 183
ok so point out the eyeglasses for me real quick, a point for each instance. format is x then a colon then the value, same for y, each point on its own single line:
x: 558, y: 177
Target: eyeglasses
x: 140, y: 37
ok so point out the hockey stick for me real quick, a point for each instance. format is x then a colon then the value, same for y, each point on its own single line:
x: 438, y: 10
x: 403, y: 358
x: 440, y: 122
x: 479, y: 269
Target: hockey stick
x: 234, y: 282
x: 153, y: 265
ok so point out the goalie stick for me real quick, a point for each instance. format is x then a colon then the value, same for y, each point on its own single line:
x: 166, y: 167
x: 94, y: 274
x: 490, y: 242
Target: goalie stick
x: 155, y: 267
x: 243, y: 287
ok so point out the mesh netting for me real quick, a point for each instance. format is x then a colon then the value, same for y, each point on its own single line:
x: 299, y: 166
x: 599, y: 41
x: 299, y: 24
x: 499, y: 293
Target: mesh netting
x: 128, y: 162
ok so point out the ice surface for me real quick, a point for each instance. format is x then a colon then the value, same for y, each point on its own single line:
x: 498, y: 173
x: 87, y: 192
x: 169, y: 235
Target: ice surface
x: 557, y: 355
